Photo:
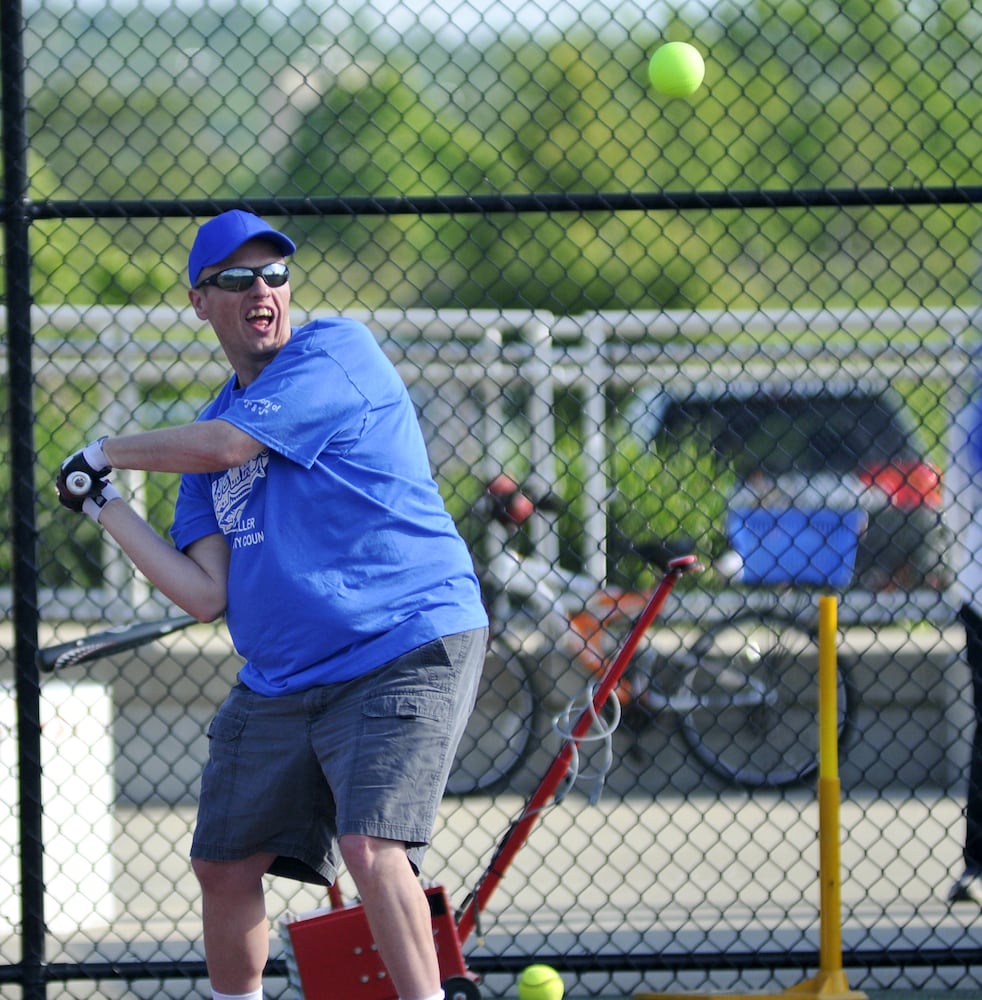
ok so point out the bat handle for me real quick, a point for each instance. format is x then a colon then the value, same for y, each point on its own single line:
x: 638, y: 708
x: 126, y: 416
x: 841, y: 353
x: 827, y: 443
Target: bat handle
x: 78, y: 483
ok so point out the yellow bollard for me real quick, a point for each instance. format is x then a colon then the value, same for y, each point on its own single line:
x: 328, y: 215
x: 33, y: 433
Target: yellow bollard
x: 831, y: 978
x: 830, y: 983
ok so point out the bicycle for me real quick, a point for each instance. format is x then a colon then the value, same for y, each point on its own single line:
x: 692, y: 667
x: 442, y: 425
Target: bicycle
x: 743, y: 691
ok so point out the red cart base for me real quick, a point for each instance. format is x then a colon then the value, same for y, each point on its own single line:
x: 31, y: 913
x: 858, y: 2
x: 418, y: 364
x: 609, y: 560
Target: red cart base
x: 333, y: 955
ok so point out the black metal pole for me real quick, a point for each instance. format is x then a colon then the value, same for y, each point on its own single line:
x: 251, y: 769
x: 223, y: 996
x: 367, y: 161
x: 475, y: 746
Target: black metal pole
x: 489, y: 204
x: 22, y: 507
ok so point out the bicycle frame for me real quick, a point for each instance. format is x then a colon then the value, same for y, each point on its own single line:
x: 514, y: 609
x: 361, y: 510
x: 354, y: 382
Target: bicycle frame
x: 570, y: 610
x: 740, y: 689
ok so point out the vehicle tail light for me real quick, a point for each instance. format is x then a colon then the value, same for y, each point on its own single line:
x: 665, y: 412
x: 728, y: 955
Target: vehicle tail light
x: 908, y: 484
x: 511, y: 505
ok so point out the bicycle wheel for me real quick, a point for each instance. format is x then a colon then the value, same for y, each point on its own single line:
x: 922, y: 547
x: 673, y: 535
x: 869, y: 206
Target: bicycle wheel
x: 748, y: 704
x: 499, y: 732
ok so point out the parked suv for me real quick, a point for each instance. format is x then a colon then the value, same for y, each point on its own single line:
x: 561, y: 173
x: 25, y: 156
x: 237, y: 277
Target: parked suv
x: 838, y: 445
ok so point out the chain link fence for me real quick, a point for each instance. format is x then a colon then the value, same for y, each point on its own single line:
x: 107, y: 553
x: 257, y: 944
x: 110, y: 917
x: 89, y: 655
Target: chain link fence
x: 736, y: 325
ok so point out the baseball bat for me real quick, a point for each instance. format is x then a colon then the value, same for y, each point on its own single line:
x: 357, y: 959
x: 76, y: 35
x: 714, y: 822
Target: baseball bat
x: 108, y: 641
x: 78, y: 483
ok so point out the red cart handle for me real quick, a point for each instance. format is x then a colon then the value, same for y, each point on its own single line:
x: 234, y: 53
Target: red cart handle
x: 518, y: 832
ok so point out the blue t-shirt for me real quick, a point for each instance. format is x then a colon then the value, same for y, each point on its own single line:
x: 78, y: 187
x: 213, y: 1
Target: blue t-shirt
x: 343, y: 555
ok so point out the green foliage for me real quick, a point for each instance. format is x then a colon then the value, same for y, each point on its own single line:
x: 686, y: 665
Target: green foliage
x: 664, y: 498
x: 817, y: 95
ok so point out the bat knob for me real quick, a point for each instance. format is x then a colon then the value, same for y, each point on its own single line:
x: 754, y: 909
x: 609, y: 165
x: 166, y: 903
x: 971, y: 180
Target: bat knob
x: 78, y: 483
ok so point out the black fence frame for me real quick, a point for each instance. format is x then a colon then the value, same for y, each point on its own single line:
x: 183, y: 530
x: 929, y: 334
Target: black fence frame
x: 33, y: 973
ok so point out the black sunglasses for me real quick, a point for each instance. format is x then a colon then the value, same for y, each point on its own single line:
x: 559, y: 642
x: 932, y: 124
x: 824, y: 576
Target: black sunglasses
x: 240, y: 279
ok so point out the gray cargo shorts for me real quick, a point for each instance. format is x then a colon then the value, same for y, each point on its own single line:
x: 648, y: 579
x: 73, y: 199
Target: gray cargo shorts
x: 291, y: 774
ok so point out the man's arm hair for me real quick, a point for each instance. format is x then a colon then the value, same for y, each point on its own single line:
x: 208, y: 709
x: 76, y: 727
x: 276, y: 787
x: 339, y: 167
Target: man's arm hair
x: 203, y: 446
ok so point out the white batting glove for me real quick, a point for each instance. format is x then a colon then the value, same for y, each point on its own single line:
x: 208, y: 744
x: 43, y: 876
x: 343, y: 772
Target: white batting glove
x: 95, y: 503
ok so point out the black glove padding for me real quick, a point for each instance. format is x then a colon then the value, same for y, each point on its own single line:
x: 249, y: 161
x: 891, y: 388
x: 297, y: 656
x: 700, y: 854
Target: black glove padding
x: 101, y: 491
x: 79, y: 463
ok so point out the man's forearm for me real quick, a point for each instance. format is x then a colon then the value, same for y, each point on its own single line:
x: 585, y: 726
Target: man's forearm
x: 205, y: 446
x: 198, y: 586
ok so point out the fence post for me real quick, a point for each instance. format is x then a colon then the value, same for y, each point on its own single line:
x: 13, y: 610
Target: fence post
x: 23, y: 522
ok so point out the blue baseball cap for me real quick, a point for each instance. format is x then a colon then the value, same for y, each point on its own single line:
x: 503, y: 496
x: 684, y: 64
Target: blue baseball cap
x: 223, y: 235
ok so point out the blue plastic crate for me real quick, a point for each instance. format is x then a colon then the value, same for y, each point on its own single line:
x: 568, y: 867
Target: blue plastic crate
x: 793, y: 545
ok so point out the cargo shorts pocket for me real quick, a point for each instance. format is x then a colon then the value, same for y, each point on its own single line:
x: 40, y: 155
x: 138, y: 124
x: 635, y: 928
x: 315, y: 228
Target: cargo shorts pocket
x: 425, y: 707
x: 225, y: 734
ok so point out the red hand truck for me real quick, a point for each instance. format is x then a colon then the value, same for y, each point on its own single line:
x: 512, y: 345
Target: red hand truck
x: 331, y: 955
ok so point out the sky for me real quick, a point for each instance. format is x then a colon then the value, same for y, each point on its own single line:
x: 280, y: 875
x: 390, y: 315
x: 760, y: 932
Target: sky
x: 403, y: 14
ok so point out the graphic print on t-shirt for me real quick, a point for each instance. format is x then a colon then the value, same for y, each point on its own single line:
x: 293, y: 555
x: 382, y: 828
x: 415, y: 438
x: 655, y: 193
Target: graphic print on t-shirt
x: 229, y: 493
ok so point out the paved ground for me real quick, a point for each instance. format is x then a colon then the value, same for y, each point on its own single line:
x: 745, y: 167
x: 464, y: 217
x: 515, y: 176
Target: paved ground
x: 777, y: 907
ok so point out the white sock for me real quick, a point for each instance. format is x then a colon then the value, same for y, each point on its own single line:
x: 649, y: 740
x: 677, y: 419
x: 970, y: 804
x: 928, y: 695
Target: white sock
x: 436, y: 996
x: 254, y: 995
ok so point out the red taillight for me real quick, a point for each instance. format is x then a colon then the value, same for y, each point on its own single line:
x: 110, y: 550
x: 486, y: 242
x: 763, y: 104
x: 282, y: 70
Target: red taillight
x: 512, y: 504
x: 907, y: 484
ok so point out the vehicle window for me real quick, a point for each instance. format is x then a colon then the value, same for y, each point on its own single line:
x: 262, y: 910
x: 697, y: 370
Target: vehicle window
x: 777, y: 436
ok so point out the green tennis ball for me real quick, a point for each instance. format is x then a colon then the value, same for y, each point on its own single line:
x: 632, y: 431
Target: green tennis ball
x: 676, y: 69
x: 540, y: 982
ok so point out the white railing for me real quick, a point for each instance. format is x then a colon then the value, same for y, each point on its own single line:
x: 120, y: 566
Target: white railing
x: 464, y: 368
